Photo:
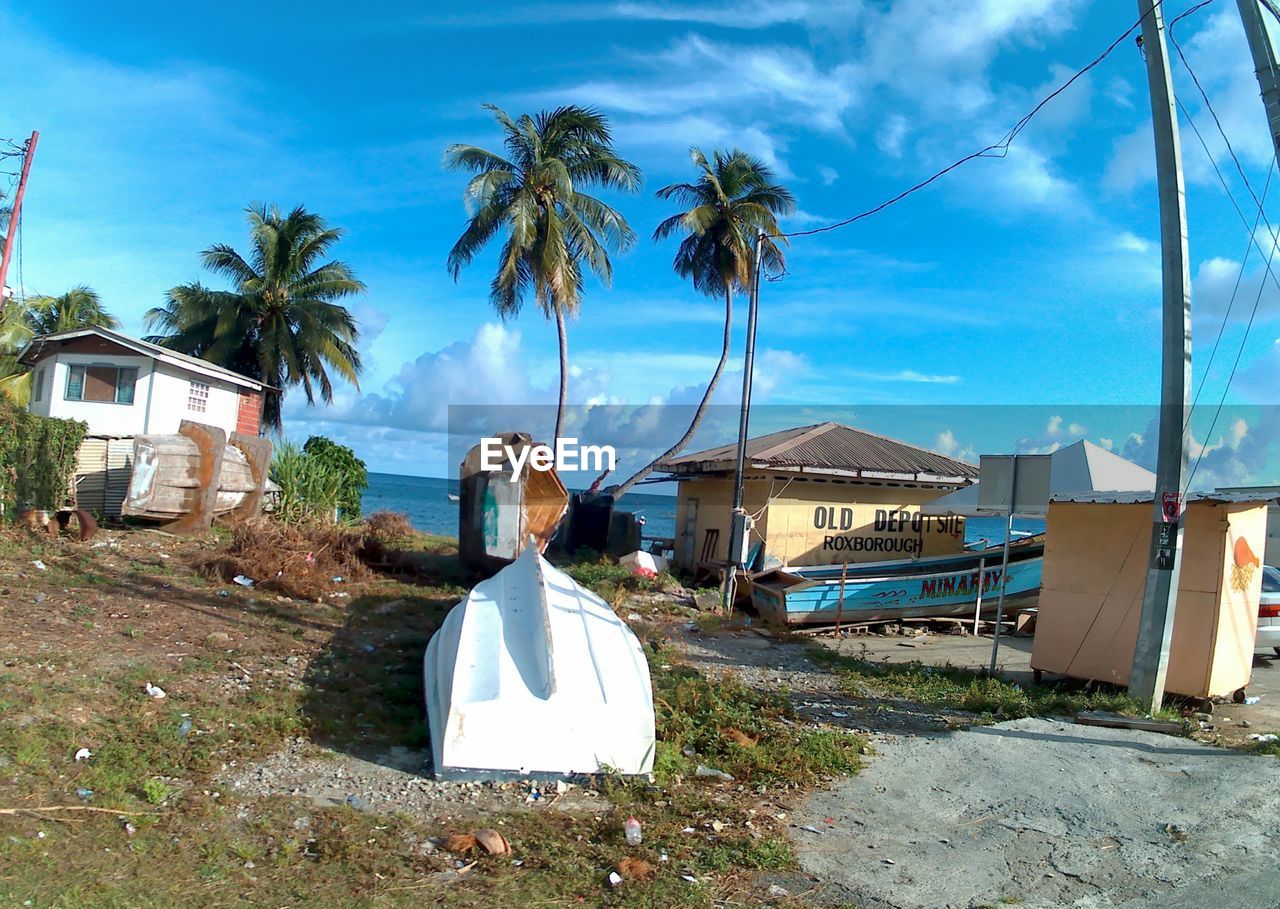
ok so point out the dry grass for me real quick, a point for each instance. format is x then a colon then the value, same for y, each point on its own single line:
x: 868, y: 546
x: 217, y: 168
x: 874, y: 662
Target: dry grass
x: 389, y: 527
x: 297, y: 560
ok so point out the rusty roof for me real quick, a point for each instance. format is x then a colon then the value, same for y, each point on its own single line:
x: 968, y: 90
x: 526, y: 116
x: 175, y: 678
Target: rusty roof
x: 829, y: 448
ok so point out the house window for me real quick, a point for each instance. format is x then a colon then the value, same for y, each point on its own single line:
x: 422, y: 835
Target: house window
x: 109, y: 384
x: 198, y: 397
x: 37, y: 386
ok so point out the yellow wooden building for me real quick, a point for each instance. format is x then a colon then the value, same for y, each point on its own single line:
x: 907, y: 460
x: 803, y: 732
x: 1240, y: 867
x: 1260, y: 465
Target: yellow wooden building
x: 819, y: 495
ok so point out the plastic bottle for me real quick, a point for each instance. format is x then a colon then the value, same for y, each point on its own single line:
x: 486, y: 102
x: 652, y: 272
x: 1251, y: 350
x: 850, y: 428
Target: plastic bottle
x: 631, y: 829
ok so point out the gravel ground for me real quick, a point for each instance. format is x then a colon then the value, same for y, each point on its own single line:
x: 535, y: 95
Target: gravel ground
x: 1048, y: 814
x: 397, y: 782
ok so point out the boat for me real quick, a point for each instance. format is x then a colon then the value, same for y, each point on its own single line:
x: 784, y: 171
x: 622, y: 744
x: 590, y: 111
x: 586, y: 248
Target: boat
x: 534, y: 675
x: 452, y: 497
x: 872, y: 592
x: 166, y: 480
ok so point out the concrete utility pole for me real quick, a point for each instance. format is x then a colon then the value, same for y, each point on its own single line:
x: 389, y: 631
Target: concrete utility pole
x: 16, y: 215
x: 1264, y: 64
x: 738, y: 528
x: 1159, y: 598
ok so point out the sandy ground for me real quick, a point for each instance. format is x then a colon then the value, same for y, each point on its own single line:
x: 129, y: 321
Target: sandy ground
x: 1047, y: 814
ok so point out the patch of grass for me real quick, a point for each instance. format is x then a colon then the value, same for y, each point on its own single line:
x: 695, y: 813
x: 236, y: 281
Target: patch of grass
x: 964, y: 689
x: 609, y: 579
x: 744, y: 732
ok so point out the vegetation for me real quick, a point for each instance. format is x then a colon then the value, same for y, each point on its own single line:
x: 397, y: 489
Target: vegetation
x: 964, y: 689
x: 322, y: 480
x: 281, y: 322
x: 37, y: 459
x: 733, y: 200
x: 80, y: 307
x: 553, y: 228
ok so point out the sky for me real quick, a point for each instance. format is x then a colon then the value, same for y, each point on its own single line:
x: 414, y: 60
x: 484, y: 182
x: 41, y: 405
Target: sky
x: 1015, y: 302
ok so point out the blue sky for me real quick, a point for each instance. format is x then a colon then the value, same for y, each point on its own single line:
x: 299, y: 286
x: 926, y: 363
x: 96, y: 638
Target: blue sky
x: 1030, y: 280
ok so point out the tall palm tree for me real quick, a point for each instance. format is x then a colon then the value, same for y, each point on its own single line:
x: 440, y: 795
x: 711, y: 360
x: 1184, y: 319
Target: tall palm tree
x: 734, y: 199
x: 535, y: 194
x: 80, y: 307
x: 279, y: 323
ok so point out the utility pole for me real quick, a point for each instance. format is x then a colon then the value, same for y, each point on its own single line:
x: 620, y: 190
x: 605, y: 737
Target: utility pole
x: 1159, y: 598
x: 1264, y: 64
x: 28, y: 153
x: 738, y: 529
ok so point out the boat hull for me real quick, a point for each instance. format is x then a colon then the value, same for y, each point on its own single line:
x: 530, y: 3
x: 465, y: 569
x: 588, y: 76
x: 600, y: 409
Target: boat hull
x: 950, y: 587
x: 165, y: 484
x: 533, y: 675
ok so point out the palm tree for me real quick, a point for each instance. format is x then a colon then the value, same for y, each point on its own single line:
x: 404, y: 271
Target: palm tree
x: 734, y: 199
x: 80, y: 307
x: 552, y: 227
x: 280, y: 323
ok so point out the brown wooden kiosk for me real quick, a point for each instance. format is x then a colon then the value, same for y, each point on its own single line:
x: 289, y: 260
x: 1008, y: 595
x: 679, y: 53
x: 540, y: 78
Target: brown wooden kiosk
x: 1095, y: 565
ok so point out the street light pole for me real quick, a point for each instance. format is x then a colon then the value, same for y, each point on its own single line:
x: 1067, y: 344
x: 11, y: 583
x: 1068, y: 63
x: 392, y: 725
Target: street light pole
x: 737, y: 517
x: 1159, y: 597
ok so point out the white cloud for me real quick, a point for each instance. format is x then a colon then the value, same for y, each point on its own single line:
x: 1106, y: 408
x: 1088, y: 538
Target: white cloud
x: 947, y: 444
x: 747, y: 14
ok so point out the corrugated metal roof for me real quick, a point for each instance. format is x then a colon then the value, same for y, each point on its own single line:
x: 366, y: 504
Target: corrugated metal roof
x: 1142, y: 498
x: 828, y: 448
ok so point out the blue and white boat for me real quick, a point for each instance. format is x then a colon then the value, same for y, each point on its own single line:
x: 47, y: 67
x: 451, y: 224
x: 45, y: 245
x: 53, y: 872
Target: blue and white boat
x: 884, y: 591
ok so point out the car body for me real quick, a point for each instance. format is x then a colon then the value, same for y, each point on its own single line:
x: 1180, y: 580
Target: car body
x: 1268, y: 638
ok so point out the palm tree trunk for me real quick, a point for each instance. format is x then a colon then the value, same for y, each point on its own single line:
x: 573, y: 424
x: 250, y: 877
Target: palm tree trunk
x: 564, y: 372
x: 698, y: 414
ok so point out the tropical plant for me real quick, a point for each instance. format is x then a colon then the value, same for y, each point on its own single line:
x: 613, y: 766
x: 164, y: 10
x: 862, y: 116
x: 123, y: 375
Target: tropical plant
x: 734, y: 200
x: 279, y: 323
x: 80, y: 307
x: 535, y: 195
x: 322, y: 481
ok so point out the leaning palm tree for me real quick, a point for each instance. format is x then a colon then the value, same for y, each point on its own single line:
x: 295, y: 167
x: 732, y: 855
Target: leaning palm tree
x: 80, y: 307
x: 279, y: 323
x: 734, y: 199
x: 535, y: 195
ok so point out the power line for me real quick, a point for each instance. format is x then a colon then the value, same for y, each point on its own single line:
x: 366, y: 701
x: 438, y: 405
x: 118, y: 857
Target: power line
x: 995, y: 150
x: 1257, y: 301
x: 1253, y: 241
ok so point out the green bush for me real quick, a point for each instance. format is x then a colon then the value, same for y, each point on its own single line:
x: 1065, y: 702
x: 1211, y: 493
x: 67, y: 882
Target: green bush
x: 322, y: 480
x: 37, y: 459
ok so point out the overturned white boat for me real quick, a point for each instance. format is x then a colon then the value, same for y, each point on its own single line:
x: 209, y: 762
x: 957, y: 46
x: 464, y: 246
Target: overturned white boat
x: 534, y: 675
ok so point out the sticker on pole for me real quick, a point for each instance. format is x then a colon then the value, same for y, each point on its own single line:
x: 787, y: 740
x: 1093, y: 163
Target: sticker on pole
x: 1171, y: 507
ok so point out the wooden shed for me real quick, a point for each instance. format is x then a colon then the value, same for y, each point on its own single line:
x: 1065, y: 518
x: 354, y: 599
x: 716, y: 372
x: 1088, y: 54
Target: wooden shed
x: 1095, y: 566
x: 819, y: 495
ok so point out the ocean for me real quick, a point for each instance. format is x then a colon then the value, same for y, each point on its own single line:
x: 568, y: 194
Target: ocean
x: 426, y: 501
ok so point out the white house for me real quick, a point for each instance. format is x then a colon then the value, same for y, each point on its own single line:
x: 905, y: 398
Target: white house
x: 121, y: 386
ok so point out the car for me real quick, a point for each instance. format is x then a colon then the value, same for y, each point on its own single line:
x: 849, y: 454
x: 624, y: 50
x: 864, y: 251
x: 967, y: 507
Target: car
x: 1269, y: 612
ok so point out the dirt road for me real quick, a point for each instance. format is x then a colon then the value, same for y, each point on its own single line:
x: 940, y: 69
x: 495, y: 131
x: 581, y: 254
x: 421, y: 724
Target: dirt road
x: 1047, y: 814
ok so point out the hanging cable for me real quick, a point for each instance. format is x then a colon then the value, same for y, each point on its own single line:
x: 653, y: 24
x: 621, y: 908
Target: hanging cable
x: 998, y: 149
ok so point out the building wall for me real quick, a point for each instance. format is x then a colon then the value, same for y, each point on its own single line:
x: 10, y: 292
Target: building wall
x: 816, y: 522
x: 1095, y: 568
x: 160, y: 397
x: 103, y: 417
x: 170, y: 401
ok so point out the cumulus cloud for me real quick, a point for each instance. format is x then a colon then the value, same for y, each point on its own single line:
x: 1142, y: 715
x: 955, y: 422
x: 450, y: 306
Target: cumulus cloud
x: 1238, y: 450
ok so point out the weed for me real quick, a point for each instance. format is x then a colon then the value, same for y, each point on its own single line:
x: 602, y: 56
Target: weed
x: 156, y: 791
